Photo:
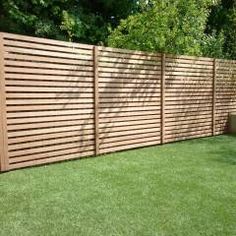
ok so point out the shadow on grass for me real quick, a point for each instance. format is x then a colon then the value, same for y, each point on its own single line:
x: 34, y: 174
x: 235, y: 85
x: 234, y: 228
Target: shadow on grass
x: 226, y: 154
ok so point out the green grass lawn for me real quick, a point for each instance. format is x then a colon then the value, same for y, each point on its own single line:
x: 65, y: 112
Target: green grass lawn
x: 185, y: 188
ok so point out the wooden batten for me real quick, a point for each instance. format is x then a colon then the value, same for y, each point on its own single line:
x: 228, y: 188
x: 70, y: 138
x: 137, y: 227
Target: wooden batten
x: 163, y: 67
x: 214, y: 96
x: 96, y: 100
x: 4, y: 162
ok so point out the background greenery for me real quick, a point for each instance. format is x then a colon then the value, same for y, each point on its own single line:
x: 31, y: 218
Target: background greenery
x: 193, y: 27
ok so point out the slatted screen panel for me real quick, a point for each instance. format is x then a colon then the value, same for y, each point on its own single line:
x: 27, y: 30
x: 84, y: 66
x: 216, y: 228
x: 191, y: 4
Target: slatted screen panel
x: 130, y: 105
x: 225, y: 93
x: 49, y: 92
x: 188, y: 97
x: 62, y: 100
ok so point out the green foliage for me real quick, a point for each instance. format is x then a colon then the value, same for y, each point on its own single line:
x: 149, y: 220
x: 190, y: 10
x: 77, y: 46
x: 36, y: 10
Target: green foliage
x: 223, y: 20
x: 83, y: 21
x: 194, y: 27
x: 212, y: 45
x: 169, y: 26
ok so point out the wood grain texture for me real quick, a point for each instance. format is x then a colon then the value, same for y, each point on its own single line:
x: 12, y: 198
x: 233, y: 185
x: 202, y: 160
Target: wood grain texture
x: 163, y: 90
x: 96, y: 99
x: 214, y: 96
x: 4, y: 161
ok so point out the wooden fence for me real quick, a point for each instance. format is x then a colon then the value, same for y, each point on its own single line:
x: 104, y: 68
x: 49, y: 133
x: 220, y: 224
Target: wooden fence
x: 62, y: 100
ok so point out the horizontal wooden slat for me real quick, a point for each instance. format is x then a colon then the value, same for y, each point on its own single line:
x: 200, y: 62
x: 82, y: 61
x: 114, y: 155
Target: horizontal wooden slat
x: 147, y: 90
x: 174, y: 138
x: 188, y: 90
x: 127, y: 71
x: 188, y: 79
x: 187, y: 64
x: 130, y: 75
x: 64, y: 157
x: 105, y: 135
x: 68, y: 102
x: 129, y: 124
x: 67, y: 118
x: 128, y: 61
x: 20, y: 95
x: 113, y: 129
x: 129, y: 104
x: 48, y: 124
x: 129, y: 80
x: 134, y: 137
x: 146, y: 57
x: 184, y: 127
x: 48, y: 113
x: 129, y: 146
x: 55, y: 78
x: 59, y: 90
x: 189, y: 86
x: 140, y: 86
x: 190, y: 122
x: 63, y: 49
x: 188, y: 132
x: 49, y: 142
x: 130, y: 142
x: 27, y: 65
x: 55, y: 60
x: 183, y: 118
x: 72, y: 72
x: 123, y: 66
x: 27, y: 51
x: 194, y: 59
x: 50, y: 130
x: 105, y: 120
x: 187, y: 73
x: 189, y: 70
x: 192, y: 113
x: 50, y: 154
x: 47, y: 149
x: 141, y: 96
x: 85, y: 134
x: 66, y: 84
x: 127, y: 109
x: 121, y: 50
x: 17, y: 37
x: 49, y: 107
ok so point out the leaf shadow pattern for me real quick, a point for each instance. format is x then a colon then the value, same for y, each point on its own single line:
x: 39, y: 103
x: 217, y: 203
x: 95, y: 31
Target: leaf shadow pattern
x: 75, y: 100
x: 129, y: 98
x: 189, y: 95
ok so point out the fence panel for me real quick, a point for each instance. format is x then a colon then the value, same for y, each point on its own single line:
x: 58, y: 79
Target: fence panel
x: 188, y: 97
x: 225, y: 93
x: 49, y: 97
x: 130, y: 104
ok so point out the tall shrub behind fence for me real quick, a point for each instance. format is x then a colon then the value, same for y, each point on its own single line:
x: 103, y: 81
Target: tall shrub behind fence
x: 62, y: 100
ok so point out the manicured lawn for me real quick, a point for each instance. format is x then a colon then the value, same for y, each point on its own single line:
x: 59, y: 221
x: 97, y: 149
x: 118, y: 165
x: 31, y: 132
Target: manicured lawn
x: 185, y: 188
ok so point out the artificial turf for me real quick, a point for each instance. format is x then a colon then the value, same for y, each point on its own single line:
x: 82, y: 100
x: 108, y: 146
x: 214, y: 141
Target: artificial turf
x: 185, y: 188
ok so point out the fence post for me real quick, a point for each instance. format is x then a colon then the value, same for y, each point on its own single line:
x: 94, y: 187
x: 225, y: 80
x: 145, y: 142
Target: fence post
x: 213, y: 97
x: 4, y: 161
x: 96, y: 100
x: 163, y: 65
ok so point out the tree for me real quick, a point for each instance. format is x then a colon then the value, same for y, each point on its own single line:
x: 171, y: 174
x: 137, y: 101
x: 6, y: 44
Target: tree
x: 168, y: 26
x: 222, y: 20
x: 75, y: 20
